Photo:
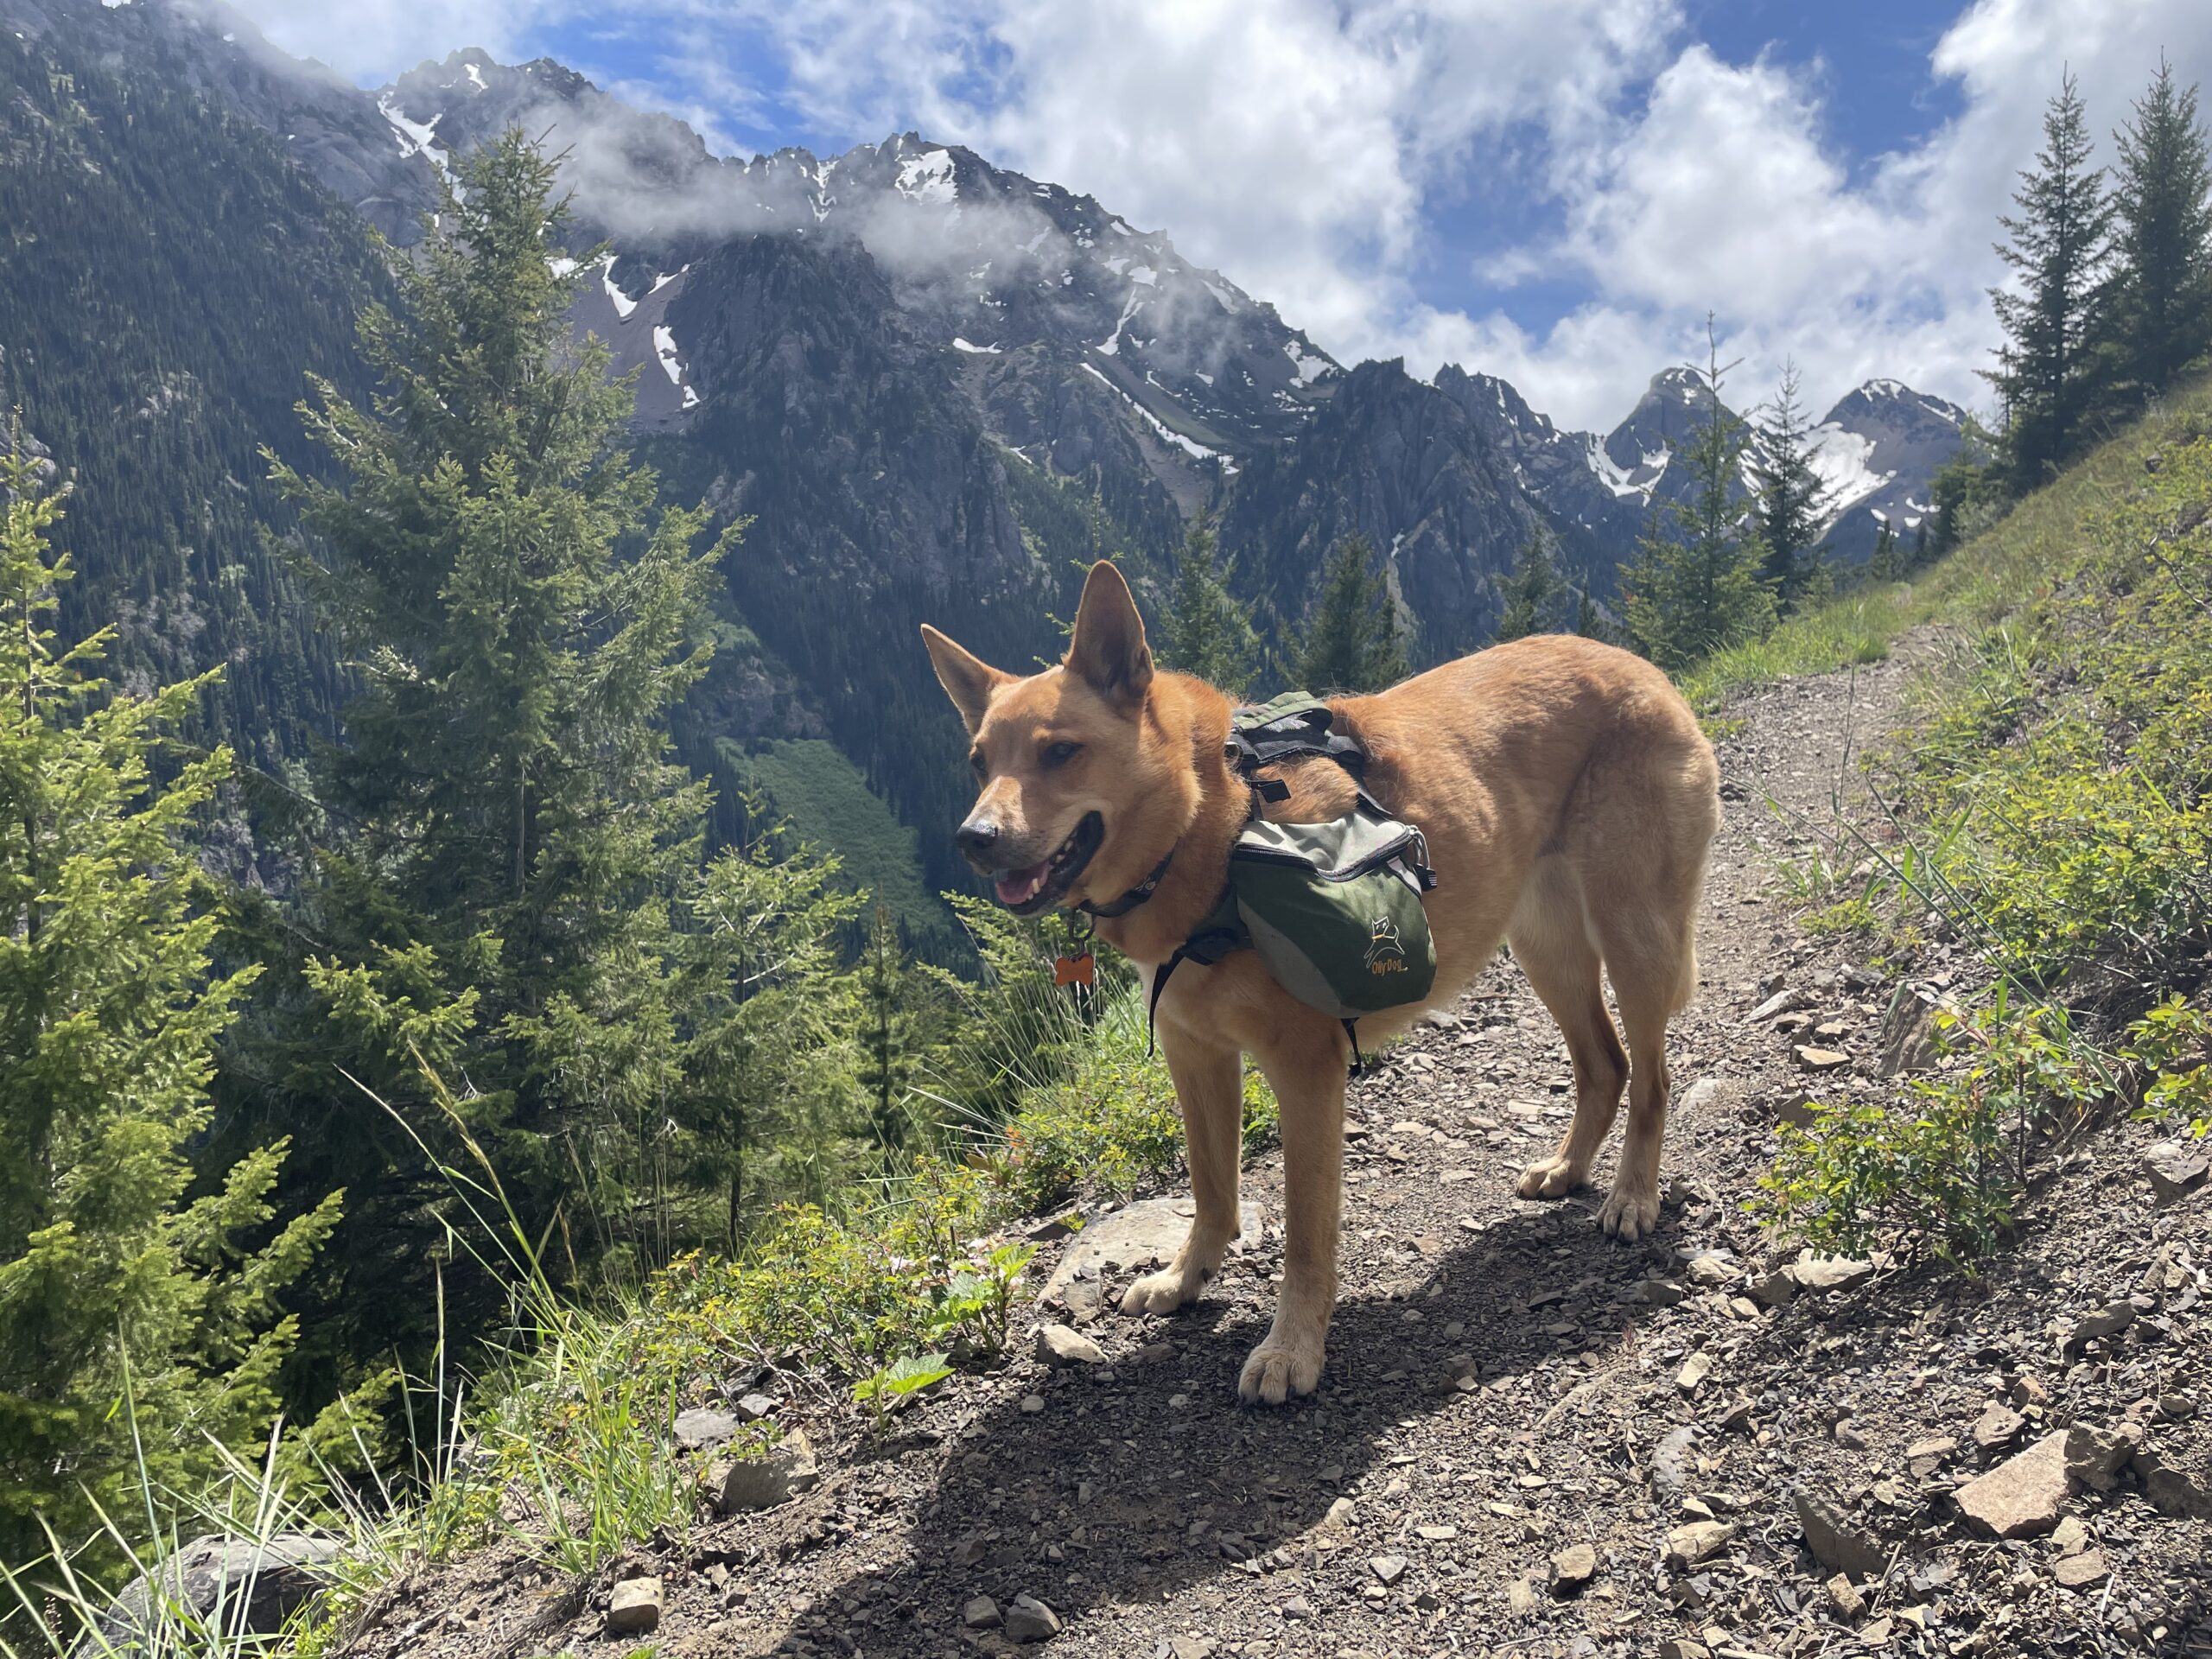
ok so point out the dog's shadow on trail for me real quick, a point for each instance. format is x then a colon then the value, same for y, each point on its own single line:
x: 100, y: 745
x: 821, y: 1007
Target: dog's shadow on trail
x: 1134, y: 1489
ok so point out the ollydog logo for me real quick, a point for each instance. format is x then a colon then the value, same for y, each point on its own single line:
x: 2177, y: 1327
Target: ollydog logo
x: 1386, y: 954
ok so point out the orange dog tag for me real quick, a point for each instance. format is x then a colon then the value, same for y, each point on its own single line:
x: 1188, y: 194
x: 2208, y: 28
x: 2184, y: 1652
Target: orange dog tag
x: 1073, y: 970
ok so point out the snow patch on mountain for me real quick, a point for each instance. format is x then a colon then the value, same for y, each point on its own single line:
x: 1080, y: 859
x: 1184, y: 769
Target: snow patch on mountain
x: 416, y: 137
x: 1840, y: 460
x: 927, y: 178
x: 624, y: 305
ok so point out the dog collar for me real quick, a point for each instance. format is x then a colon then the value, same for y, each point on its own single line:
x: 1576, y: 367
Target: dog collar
x: 1135, y: 896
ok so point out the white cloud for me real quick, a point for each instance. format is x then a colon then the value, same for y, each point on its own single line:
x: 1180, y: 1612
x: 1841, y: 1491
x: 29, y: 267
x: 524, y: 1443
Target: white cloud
x: 1306, y: 146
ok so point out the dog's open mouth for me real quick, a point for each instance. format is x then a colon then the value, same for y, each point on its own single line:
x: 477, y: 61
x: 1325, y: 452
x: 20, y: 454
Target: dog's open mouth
x: 1038, y: 887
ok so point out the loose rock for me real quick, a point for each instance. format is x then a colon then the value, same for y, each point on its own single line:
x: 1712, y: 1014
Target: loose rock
x: 2107, y: 1321
x: 634, y: 1607
x: 980, y: 1614
x: 1827, y: 1273
x: 1058, y: 1346
x: 1845, y: 1599
x: 699, y: 1427
x: 1688, y: 1545
x: 776, y: 1477
x: 2081, y: 1572
x: 1030, y: 1620
x: 1838, y: 1542
x: 2094, y: 1456
x: 2175, y: 1168
x: 1573, y: 1569
x: 1389, y: 1568
x: 1821, y: 1059
x: 2023, y: 1496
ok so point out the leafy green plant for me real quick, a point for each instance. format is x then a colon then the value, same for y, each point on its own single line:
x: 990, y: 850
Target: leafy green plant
x: 973, y: 1305
x: 885, y: 1390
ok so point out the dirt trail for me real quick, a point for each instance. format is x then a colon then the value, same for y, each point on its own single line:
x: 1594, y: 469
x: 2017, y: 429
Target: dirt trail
x: 1404, y: 1510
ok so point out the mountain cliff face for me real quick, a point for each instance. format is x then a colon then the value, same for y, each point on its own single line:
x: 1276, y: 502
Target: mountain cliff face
x: 935, y: 385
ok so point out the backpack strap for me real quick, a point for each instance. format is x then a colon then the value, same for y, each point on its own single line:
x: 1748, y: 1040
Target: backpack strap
x: 1289, y: 727
x: 1221, y: 933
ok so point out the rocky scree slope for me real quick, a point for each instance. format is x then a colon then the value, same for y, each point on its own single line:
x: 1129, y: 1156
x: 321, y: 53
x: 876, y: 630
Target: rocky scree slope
x: 1528, y: 1438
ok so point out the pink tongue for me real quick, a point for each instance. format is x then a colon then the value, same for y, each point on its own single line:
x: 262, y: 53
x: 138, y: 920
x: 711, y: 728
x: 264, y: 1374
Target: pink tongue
x: 1020, y: 887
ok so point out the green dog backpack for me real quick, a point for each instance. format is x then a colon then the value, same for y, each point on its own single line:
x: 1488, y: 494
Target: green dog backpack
x: 1333, y: 910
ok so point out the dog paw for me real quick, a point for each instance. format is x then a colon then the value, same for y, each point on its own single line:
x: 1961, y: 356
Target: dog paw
x: 1161, y: 1292
x: 1279, y: 1371
x: 1629, y: 1216
x: 1553, y: 1179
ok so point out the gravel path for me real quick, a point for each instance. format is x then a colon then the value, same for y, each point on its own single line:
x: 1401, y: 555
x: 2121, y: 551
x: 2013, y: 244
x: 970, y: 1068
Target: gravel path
x: 1530, y: 1440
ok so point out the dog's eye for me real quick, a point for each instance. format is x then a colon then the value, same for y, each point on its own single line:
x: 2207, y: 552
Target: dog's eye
x: 1058, y: 755
x: 976, y: 762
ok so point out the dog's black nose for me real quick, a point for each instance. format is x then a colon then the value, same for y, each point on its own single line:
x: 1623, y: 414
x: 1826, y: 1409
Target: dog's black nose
x: 976, y: 837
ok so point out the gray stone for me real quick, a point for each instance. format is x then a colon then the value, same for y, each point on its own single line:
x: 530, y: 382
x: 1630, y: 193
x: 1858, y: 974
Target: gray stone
x: 1573, y: 1569
x: 1912, y: 1037
x: 2175, y: 1492
x: 1688, y: 1545
x: 1997, y: 1430
x: 1708, y: 1097
x: 2083, y: 1572
x: 634, y: 1607
x: 1845, y: 1599
x: 256, y: 1587
x: 1712, y: 1269
x: 1813, y: 1058
x: 776, y: 1477
x: 699, y: 1427
x: 754, y: 1406
x: 2023, y: 1496
x: 1827, y: 1273
x: 1837, y: 1541
x: 1138, y: 1236
x: 1389, y: 1568
x: 1058, y: 1346
x: 1030, y: 1620
x: 1695, y: 1369
x: 2107, y: 1321
x: 981, y: 1613
x: 2096, y: 1456
x: 1774, y: 1289
x: 2176, y: 1168
x: 1783, y: 1001
x: 1670, y: 1463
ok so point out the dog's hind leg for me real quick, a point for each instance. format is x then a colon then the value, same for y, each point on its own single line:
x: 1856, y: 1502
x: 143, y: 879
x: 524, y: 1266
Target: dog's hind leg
x: 1550, y: 936
x: 1210, y: 1088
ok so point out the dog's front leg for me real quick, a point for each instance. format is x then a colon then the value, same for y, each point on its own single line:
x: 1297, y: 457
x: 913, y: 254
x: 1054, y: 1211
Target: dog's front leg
x: 1210, y: 1088
x: 1307, y: 1074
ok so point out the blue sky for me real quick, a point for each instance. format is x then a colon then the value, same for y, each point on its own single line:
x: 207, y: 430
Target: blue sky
x: 1558, y: 193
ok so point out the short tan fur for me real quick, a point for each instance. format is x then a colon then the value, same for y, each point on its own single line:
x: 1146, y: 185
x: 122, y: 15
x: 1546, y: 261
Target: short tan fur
x: 1568, y: 797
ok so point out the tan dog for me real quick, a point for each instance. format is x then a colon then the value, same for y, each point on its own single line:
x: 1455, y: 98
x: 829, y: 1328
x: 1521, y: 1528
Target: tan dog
x: 1568, y: 799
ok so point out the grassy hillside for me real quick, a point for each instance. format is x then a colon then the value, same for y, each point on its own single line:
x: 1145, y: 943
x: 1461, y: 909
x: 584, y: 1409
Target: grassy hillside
x: 2040, y: 833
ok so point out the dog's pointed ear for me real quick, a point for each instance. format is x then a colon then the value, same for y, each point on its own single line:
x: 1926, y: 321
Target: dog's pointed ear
x: 966, y: 677
x: 1109, y: 653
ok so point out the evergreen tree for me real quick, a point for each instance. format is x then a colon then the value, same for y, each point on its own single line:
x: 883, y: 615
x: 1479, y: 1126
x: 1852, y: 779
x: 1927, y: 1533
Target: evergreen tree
x: 137, y: 1324
x: 2162, y: 198
x: 902, y: 1013
x: 1209, y: 633
x: 1351, y: 640
x: 1790, y: 497
x: 1919, y: 553
x: 1587, y: 622
x: 1531, y: 590
x: 2058, y: 246
x: 507, y: 830
x: 1882, y: 563
x: 1697, y: 585
x: 769, y: 1058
